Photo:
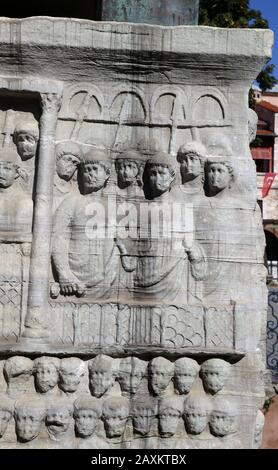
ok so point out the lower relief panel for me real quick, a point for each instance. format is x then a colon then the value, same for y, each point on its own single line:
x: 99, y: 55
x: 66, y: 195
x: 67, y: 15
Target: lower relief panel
x: 104, y: 402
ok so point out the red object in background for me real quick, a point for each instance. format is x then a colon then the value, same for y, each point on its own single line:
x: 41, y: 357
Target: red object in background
x: 268, y: 180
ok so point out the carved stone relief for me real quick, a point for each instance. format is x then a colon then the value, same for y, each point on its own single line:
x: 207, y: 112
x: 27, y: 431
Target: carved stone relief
x: 105, y: 401
x: 129, y: 230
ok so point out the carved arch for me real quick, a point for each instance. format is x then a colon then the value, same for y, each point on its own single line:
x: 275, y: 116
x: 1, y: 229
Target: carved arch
x: 213, y: 101
x: 177, y: 95
x: 128, y: 106
x: 82, y: 101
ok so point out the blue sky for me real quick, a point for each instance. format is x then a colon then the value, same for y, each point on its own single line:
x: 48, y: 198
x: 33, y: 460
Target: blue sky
x: 269, y: 9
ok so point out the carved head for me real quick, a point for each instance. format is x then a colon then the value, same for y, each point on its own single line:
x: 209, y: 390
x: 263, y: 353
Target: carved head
x: 185, y: 373
x: 9, y: 168
x: 58, y: 417
x: 87, y: 411
x: 129, y: 167
x: 71, y: 371
x: 68, y: 156
x: 191, y: 158
x: 259, y: 424
x: 115, y: 412
x: 131, y: 372
x: 9, y: 172
x: 214, y: 373
x: 196, y: 411
x: 6, y: 412
x: 29, y: 415
x: 160, y: 372
x: 219, y: 175
x: 95, y: 170
x: 26, y: 138
x: 159, y: 173
x: 252, y: 124
x: 143, y: 412
x: 170, y: 410
x: 101, y: 374
x: 222, y: 418
x: 17, y: 369
x: 46, y: 372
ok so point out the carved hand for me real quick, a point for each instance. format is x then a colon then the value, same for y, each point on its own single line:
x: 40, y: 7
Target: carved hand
x: 72, y: 288
x: 128, y: 262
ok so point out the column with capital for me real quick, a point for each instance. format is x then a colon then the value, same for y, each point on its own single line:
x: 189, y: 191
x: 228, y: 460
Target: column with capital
x: 38, y: 293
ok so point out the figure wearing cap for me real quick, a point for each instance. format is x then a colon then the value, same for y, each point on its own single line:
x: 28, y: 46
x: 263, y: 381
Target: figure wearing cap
x: 26, y: 136
x: 82, y: 254
x: 68, y: 158
x: 191, y: 158
x: 129, y: 168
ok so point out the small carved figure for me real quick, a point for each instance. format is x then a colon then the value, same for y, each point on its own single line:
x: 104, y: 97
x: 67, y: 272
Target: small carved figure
x: 101, y: 375
x: 115, y: 412
x: 196, y: 412
x: 87, y: 411
x: 58, y: 419
x: 129, y: 167
x: 18, y: 372
x: 191, y: 158
x: 16, y: 207
x: 29, y: 415
x: 160, y: 372
x: 170, y: 410
x: 214, y: 373
x: 26, y: 138
x: 185, y: 373
x: 131, y: 372
x: 259, y: 425
x: 6, y: 413
x: 68, y: 156
x: 71, y: 371
x: 46, y: 373
x: 143, y: 411
x: 222, y: 418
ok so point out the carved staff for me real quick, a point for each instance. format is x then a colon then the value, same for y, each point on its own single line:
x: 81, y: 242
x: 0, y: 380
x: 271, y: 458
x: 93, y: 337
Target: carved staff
x: 174, y: 118
x: 81, y: 114
x: 8, y: 127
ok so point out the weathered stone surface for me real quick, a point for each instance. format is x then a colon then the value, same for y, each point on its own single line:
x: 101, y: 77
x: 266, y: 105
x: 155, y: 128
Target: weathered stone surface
x: 132, y: 284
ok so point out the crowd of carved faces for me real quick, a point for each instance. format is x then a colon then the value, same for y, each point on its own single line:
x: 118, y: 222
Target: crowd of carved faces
x: 58, y: 400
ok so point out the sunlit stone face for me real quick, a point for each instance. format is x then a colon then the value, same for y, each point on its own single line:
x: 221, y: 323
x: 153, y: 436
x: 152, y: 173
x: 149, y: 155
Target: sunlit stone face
x: 160, y: 179
x: 8, y: 174
x: 26, y: 145
x: 85, y: 422
x: 66, y: 166
x: 218, y: 176
x: 94, y: 176
x: 5, y: 417
x: 28, y: 424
